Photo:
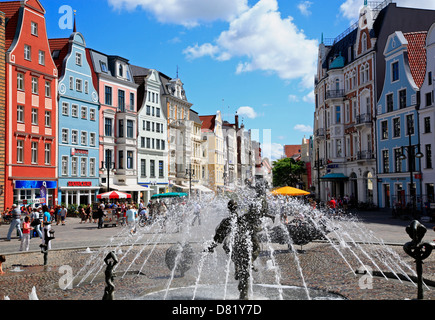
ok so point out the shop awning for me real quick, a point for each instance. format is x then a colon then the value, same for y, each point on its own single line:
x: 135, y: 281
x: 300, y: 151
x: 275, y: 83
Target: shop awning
x: 202, y: 189
x: 334, y: 177
x: 129, y: 188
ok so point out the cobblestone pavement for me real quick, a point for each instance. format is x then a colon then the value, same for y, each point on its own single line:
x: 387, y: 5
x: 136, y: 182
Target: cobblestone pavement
x: 142, y: 269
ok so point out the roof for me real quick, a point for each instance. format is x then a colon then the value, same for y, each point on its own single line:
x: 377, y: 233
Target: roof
x: 194, y: 116
x: 417, y: 55
x: 292, y: 150
x: 11, y: 10
x: 61, y: 45
x: 208, y: 122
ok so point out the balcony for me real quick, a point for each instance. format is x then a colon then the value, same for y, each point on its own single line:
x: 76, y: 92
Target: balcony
x: 364, y: 120
x: 365, y: 155
x: 335, y: 94
x: 320, y: 133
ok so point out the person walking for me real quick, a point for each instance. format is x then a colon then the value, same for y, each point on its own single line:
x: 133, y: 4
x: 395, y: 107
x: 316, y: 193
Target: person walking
x: 62, y: 215
x: 83, y: 216
x: 15, y: 223
x: 197, y: 213
x: 100, y: 215
x: 131, y: 216
x: 25, y: 239
x: 36, y: 222
x: 47, y: 225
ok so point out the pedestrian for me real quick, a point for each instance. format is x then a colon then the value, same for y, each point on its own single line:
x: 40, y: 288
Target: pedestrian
x: 197, y: 213
x: 15, y: 223
x: 47, y: 225
x: 100, y: 215
x: 131, y: 216
x: 36, y: 222
x: 88, y: 212
x: 2, y: 259
x: 25, y: 239
x: 62, y: 214
x: 82, y: 215
x: 332, y: 205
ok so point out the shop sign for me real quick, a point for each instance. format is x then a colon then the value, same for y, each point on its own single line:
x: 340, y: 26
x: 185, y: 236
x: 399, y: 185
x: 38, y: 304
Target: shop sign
x: 79, y: 152
x: 79, y: 184
x: 35, y: 184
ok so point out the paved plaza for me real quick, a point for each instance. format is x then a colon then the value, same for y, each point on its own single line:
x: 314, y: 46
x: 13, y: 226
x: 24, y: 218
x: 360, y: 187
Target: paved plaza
x: 79, y: 248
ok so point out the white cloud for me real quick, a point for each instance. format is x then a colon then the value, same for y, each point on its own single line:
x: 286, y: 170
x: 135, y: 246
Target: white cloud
x: 304, y: 7
x: 350, y: 8
x: 293, y: 98
x: 186, y: 12
x: 266, y: 42
x: 199, y: 51
x: 309, y: 98
x: 303, y: 128
x: 247, y: 112
x: 272, y: 151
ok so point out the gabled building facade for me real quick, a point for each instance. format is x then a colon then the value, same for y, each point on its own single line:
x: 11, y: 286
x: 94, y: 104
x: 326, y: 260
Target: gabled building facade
x: 78, y: 147
x: 31, y: 106
x: 152, y: 133
x: 399, y: 169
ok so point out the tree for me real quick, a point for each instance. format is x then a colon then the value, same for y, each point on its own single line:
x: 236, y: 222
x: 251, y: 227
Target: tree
x: 287, y: 172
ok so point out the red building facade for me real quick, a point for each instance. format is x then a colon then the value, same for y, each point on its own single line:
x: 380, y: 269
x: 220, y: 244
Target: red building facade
x: 31, y: 106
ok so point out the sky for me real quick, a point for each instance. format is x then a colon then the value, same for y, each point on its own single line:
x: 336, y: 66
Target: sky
x: 254, y: 57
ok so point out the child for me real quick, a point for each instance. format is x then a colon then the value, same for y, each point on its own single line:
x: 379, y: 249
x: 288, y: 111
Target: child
x: 25, y: 240
x: 2, y: 259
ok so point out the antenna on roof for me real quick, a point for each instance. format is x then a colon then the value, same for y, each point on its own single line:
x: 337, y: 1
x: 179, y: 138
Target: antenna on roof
x: 75, y: 26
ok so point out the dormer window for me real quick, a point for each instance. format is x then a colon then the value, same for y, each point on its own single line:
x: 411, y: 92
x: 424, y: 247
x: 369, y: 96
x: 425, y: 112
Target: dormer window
x: 121, y: 70
x: 103, y: 66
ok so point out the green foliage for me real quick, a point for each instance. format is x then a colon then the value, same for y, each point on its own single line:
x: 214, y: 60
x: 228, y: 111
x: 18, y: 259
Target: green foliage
x: 287, y: 172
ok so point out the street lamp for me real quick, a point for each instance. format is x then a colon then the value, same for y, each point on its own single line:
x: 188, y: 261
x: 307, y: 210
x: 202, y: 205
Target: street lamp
x: 107, y: 165
x: 410, y: 150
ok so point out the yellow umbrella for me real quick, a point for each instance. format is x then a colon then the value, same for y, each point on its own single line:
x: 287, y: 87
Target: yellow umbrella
x: 289, y: 191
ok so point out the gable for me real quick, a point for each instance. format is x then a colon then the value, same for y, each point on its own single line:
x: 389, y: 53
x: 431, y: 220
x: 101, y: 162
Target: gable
x: 395, y: 43
x: 35, y: 5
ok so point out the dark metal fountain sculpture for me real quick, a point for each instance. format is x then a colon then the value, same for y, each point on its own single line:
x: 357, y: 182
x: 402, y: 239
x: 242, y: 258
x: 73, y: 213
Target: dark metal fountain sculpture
x: 418, y: 250
x: 111, y: 261
x: 179, y: 256
x: 48, y: 236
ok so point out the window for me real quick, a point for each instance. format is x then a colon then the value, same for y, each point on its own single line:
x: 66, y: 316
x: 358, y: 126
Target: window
x: 148, y: 110
x: 427, y: 125
x: 34, y: 152
x: 74, y: 168
x: 20, y: 81
x: 92, y: 114
x: 65, y: 133
x: 428, y: 156
x: 34, y: 28
x: 92, y: 167
x: 410, y: 124
x: 390, y: 103
x: 64, y: 166
x: 143, y: 168
x: 47, y: 153
x: 20, y: 151
x: 121, y: 128
x: 79, y: 85
x: 152, y: 168
x: 75, y: 110
x: 429, y: 78
x: 121, y: 159
x: 103, y: 66
x: 142, y: 142
x: 121, y: 100
x: 84, y: 112
x: 396, y: 127
x: 364, y: 43
x: 337, y: 114
x: 48, y: 119
x: 34, y: 116
x: 163, y: 144
x: 48, y: 89
x: 108, y: 127
x: 120, y: 70
x: 428, y: 99
x: 108, y: 95
x: 74, y: 137
x: 35, y: 85
x: 158, y: 112
x: 20, y: 114
x: 148, y: 143
x: 41, y: 58
x: 397, y: 161
x: 78, y: 58
x: 65, y: 108
x: 83, y: 167
x: 130, y: 129
x: 148, y: 126
x: 402, y: 99
x: 158, y: 144
x: 132, y: 101
x: 86, y: 87
x: 395, y: 71
x: 338, y: 148
x: 84, y: 138
x: 71, y: 83
x: 161, y: 171
x: 386, y: 161
x: 130, y: 160
x: 108, y: 158
x: 92, y: 139
x: 384, y: 130
x: 27, y: 52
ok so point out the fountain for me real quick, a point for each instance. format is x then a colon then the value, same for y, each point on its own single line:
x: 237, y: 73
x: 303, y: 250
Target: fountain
x: 257, y: 252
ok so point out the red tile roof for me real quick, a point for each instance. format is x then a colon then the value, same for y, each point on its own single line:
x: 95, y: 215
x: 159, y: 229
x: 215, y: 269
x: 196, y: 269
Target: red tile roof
x: 417, y: 55
x: 208, y: 122
x: 62, y: 45
x: 292, y: 150
x: 11, y: 10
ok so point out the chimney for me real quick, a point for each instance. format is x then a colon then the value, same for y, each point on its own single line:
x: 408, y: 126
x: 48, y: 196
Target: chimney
x: 237, y: 121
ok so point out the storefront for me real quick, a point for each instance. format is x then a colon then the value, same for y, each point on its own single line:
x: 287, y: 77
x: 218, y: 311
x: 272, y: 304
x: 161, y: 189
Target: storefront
x: 78, y: 192
x: 33, y: 193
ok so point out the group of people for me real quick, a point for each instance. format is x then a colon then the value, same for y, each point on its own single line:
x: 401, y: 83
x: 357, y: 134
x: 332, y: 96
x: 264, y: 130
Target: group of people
x: 26, y: 222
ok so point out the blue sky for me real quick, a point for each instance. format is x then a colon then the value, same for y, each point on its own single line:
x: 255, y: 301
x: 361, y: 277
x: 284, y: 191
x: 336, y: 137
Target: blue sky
x: 256, y: 57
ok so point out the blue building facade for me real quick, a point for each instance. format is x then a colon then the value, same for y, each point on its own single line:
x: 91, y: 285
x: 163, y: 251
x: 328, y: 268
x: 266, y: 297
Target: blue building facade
x: 399, y: 173
x: 78, y: 151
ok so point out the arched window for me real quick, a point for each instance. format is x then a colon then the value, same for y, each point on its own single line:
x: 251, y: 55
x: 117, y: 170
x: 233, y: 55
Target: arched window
x: 364, y: 43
